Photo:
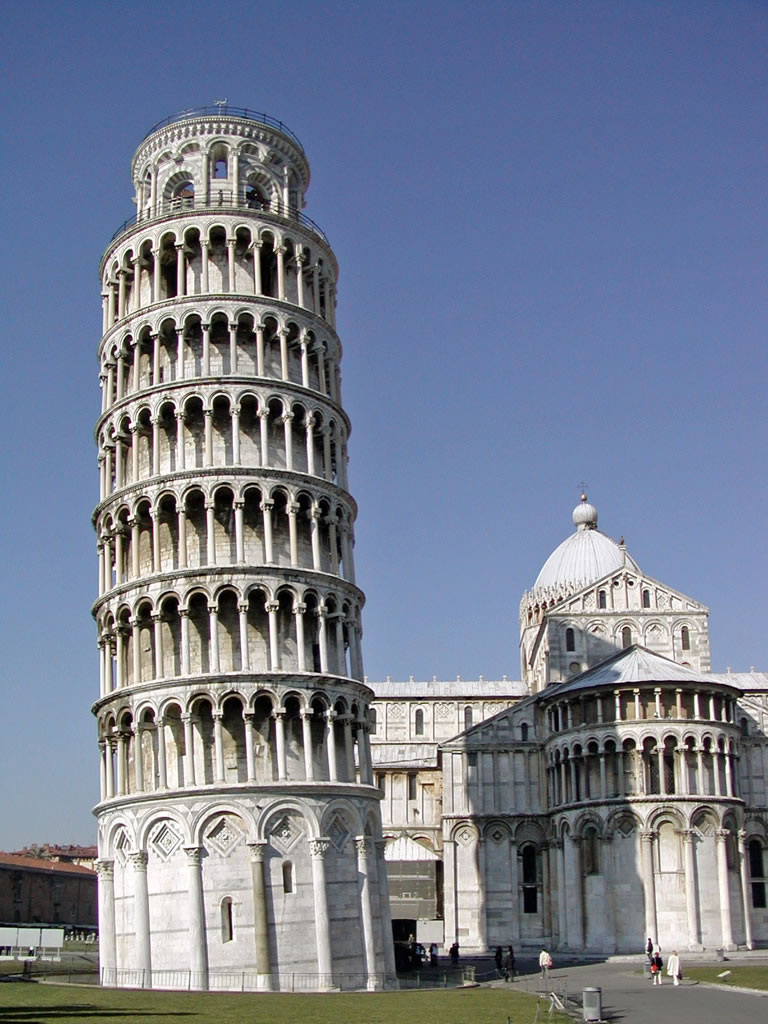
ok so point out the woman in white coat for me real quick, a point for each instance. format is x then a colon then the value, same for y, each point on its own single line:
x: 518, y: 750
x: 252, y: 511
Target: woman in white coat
x: 673, y: 967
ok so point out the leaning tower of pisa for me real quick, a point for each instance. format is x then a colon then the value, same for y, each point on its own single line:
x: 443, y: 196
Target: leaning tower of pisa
x: 239, y: 827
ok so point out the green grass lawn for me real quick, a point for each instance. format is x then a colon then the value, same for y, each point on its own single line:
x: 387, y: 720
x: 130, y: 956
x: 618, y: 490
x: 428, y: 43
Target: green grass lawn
x: 31, y: 1003
x: 746, y: 976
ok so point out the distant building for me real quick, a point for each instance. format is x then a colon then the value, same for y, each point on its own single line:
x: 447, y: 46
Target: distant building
x: 85, y: 856
x: 38, y: 891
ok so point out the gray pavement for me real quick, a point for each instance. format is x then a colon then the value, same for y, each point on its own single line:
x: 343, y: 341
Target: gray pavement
x: 628, y: 998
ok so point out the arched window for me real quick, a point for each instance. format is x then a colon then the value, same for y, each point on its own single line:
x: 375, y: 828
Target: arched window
x: 744, y: 726
x: 372, y: 720
x: 570, y: 640
x: 418, y: 722
x: 602, y: 601
x: 524, y: 732
x: 467, y: 717
x: 646, y: 599
x: 530, y: 876
x: 626, y: 637
x: 685, y: 638
x: 227, y: 931
x: 287, y: 876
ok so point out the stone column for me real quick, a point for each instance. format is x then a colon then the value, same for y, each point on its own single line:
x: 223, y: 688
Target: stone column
x: 162, y: 771
x: 208, y: 445
x: 691, y: 898
x: 259, y: 348
x: 603, y: 780
x: 363, y: 845
x: 274, y: 639
x: 157, y: 627
x: 721, y: 836
x: 198, y: 949
x: 260, y: 924
x: 184, y: 620
x: 366, y: 775
x: 142, y: 952
x: 384, y: 911
x: 236, y: 435
x: 306, y: 736
x: 745, y: 887
x: 107, y: 938
x: 233, y: 348
x: 292, y: 509
x: 298, y: 611
x: 204, y: 286
x: 331, y: 745
x: 250, y: 769
x: 189, y: 750
x: 213, y: 633
x: 282, y: 769
x: 514, y: 885
x: 231, y: 242
x: 318, y: 849
x: 322, y: 638
x: 138, y: 760
x: 256, y: 253
x: 266, y: 509
x: 649, y: 885
x: 218, y: 746
x: 562, y: 903
x: 576, y: 920
x: 349, y: 752
x: 242, y: 618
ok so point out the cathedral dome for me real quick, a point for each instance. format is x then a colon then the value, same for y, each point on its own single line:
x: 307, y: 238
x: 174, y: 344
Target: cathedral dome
x: 584, y: 556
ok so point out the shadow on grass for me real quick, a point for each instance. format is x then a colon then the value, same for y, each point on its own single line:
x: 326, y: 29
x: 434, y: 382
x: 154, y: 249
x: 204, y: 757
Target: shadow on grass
x: 38, y: 1014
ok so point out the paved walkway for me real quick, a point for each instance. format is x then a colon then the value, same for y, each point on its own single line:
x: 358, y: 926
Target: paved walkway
x: 628, y: 997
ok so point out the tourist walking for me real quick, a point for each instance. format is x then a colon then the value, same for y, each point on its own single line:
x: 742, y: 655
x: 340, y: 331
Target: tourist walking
x: 453, y: 953
x: 649, y: 949
x: 656, y: 967
x: 673, y: 967
x: 509, y: 964
x: 545, y: 965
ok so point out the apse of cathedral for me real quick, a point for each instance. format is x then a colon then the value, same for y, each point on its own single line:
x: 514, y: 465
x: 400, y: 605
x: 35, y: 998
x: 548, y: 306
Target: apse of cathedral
x: 618, y: 791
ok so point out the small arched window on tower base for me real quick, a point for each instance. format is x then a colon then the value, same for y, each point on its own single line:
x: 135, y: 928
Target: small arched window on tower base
x: 626, y: 637
x: 602, y: 601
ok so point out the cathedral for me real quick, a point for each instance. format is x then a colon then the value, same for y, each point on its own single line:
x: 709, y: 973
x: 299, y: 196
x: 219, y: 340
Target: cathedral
x: 618, y: 791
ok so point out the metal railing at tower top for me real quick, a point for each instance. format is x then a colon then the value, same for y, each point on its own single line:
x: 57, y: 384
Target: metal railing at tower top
x: 223, y: 110
x: 221, y: 201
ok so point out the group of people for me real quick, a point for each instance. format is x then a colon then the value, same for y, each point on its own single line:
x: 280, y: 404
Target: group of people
x: 653, y: 952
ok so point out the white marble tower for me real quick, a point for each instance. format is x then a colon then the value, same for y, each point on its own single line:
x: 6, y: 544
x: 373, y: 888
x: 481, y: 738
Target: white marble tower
x: 239, y: 829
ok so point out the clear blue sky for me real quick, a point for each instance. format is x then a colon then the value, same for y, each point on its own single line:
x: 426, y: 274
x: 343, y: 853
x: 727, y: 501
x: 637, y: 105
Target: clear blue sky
x: 551, y: 221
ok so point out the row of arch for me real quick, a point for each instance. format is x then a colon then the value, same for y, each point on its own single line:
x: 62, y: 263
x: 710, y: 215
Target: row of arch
x: 258, y: 740
x: 210, y: 167
x: 251, y: 630
x: 654, y: 633
x: 690, y: 702
x: 649, y: 765
x: 215, y: 342
x: 132, y: 830
x: 217, y: 257
x: 203, y: 432
x: 223, y: 526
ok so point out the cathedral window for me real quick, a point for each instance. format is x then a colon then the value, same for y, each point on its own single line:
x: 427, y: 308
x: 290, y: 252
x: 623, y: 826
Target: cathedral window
x: 757, y: 873
x: 227, y: 932
x: 570, y: 640
x: 685, y: 638
x: 524, y: 732
x: 467, y: 717
x: 626, y: 637
x: 646, y: 599
x: 602, y: 601
x: 418, y: 723
x: 530, y: 878
x: 372, y: 720
x: 412, y: 787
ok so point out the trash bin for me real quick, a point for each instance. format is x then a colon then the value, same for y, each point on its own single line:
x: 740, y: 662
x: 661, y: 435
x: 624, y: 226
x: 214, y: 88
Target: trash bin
x: 646, y: 971
x: 720, y: 954
x: 593, y: 1004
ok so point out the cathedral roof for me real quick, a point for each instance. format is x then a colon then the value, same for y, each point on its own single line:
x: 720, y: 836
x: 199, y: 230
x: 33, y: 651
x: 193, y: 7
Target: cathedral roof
x: 631, y: 667
x: 585, y: 556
